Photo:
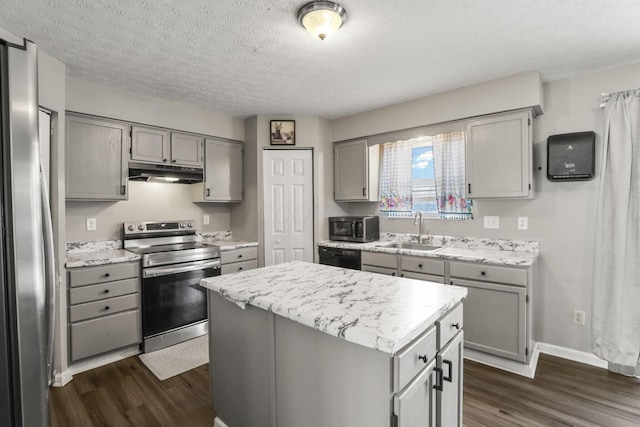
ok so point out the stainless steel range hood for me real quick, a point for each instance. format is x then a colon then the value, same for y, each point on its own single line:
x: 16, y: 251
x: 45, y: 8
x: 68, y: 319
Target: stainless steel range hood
x: 164, y: 173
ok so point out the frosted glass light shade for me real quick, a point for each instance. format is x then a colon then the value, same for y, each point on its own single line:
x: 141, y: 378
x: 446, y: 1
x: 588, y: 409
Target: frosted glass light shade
x: 322, y: 18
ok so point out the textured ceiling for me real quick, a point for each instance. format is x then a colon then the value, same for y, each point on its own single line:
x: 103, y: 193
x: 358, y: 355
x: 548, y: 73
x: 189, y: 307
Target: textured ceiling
x: 244, y: 57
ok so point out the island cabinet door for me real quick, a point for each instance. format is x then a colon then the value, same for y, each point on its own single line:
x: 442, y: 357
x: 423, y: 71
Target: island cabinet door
x: 415, y: 405
x: 449, y: 395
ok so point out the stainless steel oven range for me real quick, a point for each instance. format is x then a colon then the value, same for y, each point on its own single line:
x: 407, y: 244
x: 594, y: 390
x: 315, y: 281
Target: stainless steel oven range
x: 174, y: 305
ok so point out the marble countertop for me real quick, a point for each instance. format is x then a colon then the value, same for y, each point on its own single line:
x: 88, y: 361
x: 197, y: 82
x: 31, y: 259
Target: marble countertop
x: 373, y: 310
x: 92, y: 258
x: 478, y: 254
x: 229, y: 245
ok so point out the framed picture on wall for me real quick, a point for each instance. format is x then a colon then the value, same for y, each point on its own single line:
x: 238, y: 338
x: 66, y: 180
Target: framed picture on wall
x: 283, y: 132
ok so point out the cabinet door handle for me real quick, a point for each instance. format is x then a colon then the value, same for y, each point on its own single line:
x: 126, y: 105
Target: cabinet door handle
x: 402, y: 275
x: 424, y: 358
x: 173, y: 161
x: 456, y: 325
x: 164, y: 160
x: 438, y: 384
x: 364, y: 191
x: 123, y: 189
x: 451, y: 282
x: 450, y: 376
x: 393, y: 274
x: 208, y: 192
x: 469, y: 188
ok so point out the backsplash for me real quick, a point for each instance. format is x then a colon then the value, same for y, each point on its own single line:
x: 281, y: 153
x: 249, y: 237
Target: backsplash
x: 466, y: 242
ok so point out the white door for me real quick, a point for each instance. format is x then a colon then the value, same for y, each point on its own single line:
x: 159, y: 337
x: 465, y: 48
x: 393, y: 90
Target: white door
x: 288, y: 205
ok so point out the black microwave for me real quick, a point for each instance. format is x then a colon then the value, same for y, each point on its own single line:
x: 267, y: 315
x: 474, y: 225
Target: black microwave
x: 354, y: 228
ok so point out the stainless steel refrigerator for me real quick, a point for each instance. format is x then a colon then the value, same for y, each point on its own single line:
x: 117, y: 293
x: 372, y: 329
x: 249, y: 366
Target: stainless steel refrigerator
x: 26, y: 297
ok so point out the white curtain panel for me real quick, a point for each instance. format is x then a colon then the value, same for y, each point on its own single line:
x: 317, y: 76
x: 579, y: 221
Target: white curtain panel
x: 616, y: 268
x: 449, y: 162
x: 395, y: 179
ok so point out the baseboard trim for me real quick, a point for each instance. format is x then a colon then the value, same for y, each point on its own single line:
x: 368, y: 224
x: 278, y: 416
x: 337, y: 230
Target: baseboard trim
x: 63, y: 378
x: 104, y: 359
x: 218, y: 423
x: 573, y: 355
x: 526, y: 370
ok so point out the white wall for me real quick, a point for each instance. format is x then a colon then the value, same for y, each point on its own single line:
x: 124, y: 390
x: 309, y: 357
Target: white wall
x: 147, y: 201
x: 561, y: 216
x: 246, y: 219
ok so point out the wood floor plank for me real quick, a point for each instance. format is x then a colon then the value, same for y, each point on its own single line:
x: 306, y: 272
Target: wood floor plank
x: 564, y: 393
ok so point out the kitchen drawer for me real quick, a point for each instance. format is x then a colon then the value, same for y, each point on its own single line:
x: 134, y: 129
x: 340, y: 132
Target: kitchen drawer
x: 380, y: 270
x: 235, y: 267
x: 409, y: 361
x: 108, y: 333
x: 422, y: 265
x: 422, y: 276
x: 449, y: 325
x: 90, y: 293
x: 104, y: 273
x: 379, y: 259
x: 241, y: 254
x: 488, y: 273
x: 101, y: 308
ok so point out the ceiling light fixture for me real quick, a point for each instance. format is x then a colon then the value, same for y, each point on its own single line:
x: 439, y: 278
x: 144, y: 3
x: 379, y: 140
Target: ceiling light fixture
x: 322, y: 18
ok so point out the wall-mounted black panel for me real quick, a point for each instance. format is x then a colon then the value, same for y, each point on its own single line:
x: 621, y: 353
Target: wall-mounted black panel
x: 571, y: 156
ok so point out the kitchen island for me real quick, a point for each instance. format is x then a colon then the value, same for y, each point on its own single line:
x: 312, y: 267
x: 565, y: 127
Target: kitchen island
x: 307, y: 344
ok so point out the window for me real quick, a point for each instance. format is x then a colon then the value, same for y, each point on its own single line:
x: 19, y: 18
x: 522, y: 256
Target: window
x: 424, y: 174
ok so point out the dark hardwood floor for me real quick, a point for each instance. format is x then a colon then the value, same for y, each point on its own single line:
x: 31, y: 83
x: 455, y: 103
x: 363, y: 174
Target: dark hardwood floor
x: 563, y: 393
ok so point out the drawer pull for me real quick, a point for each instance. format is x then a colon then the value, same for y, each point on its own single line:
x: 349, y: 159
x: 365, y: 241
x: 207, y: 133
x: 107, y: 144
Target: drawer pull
x: 438, y: 384
x: 419, y: 265
x: 393, y: 274
x: 456, y: 325
x: 423, y: 358
x: 107, y: 308
x: 402, y: 275
x: 239, y: 268
x: 106, y: 291
x: 107, y: 274
x: 450, y: 376
x: 483, y: 273
x: 239, y: 256
x: 451, y: 282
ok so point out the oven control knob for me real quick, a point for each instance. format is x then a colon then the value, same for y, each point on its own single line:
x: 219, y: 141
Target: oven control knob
x: 190, y: 224
x: 182, y: 225
x: 140, y: 227
x: 130, y: 228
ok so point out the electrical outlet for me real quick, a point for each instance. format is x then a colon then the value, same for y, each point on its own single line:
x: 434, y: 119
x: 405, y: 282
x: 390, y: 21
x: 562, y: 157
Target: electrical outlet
x: 491, y: 222
x: 91, y: 224
x: 205, y: 219
x: 523, y: 222
x: 578, y: 317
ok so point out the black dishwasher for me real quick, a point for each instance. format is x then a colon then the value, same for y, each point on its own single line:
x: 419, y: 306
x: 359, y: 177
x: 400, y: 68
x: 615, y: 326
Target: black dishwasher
x: 338, y: 257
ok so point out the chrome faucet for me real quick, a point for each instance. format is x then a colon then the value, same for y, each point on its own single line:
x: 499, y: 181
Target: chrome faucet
x: 417, y: 218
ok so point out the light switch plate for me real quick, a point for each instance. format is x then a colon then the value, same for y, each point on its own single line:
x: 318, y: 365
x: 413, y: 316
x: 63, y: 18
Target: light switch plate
x: 523, y: 222
x: 205, y: 219
x: 491, y: 222
x: 91, y: 224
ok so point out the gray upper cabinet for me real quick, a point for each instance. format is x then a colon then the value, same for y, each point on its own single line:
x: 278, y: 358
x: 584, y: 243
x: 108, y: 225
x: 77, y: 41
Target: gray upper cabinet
x: 150, y: 144
x: 499, y: 156
x: 356, y: 173
x: 222, y: 172
x: 96, y: 156
x: 187, y: 149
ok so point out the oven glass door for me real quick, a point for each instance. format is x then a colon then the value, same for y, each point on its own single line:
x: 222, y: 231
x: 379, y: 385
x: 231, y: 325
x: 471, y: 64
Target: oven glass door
x: 341, y: 228
x: 174, y: 300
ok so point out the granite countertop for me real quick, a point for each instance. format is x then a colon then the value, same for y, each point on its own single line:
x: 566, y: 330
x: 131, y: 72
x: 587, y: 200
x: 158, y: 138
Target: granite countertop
x: 92, y: 258
x: 485, y: 254
x: 373, y: 310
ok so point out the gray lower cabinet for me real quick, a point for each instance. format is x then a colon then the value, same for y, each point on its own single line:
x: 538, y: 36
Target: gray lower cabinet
x: 241, y: 259
x: 97, y: 151
x: 496, y: 311
x: 267, y: 370
x: 104, y: 309
x: 411, y: 267
x: 376, y: 262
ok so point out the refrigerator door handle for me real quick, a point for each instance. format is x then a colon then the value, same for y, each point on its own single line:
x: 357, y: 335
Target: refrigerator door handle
x: 50, y: 271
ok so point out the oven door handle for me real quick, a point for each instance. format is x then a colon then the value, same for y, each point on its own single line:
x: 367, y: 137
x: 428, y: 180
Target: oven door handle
x: 192, y: 266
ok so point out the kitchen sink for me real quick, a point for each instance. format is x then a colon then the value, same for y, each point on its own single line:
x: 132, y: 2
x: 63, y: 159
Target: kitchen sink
x: 412, y: 246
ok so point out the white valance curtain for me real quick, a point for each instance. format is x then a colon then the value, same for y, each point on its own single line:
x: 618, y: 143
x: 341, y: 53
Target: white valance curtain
x: 449, y: 163
x: 616, y: 268
x: 395, y: 179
